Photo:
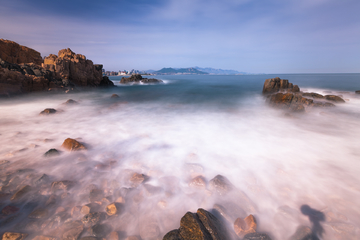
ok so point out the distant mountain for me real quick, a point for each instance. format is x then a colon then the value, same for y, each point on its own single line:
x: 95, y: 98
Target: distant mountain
x: 172, y: 71
x: 219, y: 71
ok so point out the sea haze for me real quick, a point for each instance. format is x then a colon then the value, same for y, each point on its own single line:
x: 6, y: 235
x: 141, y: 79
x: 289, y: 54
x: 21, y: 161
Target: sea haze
x: 198, y: 125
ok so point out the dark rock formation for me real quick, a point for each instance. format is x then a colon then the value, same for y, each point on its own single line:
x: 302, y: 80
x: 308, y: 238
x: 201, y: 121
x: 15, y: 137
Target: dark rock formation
x: 357, y: 92
x: 220, y: 185
x: 137, y: 78
x: 273, y: 85
x: 13, y: 52
x: 334, y: 98
x: 201, y: 225
x: 313, y: 95
x: 70, y: 102
x: 48, y: 111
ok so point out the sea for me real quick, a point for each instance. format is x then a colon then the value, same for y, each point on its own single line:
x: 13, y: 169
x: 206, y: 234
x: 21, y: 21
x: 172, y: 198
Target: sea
x: 290, y: 171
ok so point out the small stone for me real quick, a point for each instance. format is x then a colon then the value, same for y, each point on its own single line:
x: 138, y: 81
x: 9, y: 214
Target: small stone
x: 136, y: 179
x: 92, y: 218
x: 70, y: 102
x: 39, y: 214
x: 113, y: 209
x: 198, y: 182
x: 100, y: 230
x: 243, y: 227
x: 8, y: 210
x: 88, y: 208
x: 114, y: 96
x: 14, y: 236
x: 72, y: 145
x: 48, y: 111
x: 21, y: 193
x: 52, y: 152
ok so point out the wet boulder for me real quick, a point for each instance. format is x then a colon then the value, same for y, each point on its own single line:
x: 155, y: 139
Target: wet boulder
x: 136, y: 179
x: 52, y: 152
x: 357, y: 92
x: 100, y: 230
x: 216, y: 228
x: 173, y: 235
x: 71, y: 102
x: 220, y: 185
x: 192, y: 228
x: 334, y: 98
x: 48, y: 111
x: 72, y: 145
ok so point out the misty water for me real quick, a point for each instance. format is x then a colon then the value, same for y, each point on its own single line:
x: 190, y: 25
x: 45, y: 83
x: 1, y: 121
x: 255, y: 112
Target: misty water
x: 189, y: 126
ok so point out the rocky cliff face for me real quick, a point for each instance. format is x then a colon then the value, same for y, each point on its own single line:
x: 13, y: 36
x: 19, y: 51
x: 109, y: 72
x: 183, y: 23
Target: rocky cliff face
x: 13, y: 52
x: 75, y: 68
x: 18, y: 74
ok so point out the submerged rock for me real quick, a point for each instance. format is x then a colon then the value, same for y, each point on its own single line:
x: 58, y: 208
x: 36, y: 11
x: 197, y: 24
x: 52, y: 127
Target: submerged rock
x: 114, y: 96
x: 73, y: 145
x: 14, y: 236
x: 220, y: 185
x: 71, y: 102
x: 100, y: 230
x: 136, y: 78
x: 334, y: 98
x: 48, y: 111
x: 245, y: 226
x: 113, y: 209
x: 92, y: 218
x: 52, y: 152
x: 21, y: 193
x: 9, y: 210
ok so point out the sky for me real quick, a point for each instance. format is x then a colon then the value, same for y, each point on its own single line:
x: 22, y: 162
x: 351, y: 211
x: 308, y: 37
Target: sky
x: 254, y: 36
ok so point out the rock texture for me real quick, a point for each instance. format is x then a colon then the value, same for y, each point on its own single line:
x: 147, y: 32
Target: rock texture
x: 13, y: 52
x: 200, y: 225
x: 284, y: 95
x: 72, y: 145
x: 137, y: 78
x: 22, y: 70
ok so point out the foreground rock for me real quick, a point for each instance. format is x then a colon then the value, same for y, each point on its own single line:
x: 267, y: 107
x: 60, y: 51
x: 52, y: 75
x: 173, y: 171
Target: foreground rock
x: 72, y: 145
x: 200, y: 225
x: 137, y: 78
x: 14, y: 236
x: 284, y: 95
x: 22, y: 70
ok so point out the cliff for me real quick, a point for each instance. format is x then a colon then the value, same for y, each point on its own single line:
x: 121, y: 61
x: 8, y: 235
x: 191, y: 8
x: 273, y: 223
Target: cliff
x: 22, y: 70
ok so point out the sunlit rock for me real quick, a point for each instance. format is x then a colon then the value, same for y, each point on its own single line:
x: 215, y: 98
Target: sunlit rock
x: 14, y: 236
x: 245, y: 226
x: 72, y: 145
x: 114, y: 209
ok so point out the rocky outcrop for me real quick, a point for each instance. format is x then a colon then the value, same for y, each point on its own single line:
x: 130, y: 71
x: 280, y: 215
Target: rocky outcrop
x: 273, y: 85
x: 15, y: 53
x: 137, y: 78
x: 69, y: 66
x: 22, y: 70
x: 284, y: 95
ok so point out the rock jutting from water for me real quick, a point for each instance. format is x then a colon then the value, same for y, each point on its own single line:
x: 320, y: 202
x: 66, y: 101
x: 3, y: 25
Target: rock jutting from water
x: 284, y: 95
x: 137, y: 78
x: 22, y: 70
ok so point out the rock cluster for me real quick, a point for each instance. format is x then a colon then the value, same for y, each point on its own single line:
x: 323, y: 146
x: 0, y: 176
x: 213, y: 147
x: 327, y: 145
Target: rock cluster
x: 282, y: 94
x: 22, y: 70
x: 137, y: 78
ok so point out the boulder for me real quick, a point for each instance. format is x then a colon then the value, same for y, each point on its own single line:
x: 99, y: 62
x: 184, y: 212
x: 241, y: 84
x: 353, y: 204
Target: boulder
x: 289, y: 101
x: 313, y: 95
x: 302, y: 233
x: 21, y: 193
x: 91, y: 219
x: 357, y: 92
x: 70, y: 102
x: 334, y: 98
x: 273, y: 85
x: 220, y: 185
x: 39, y: 213
x: 13, y: 52
x: 114, y: 96
x: 72, y: 145
x: 100, y: 230
x: 106, y: 82
x: 52, y: 152
x: 200, y: 225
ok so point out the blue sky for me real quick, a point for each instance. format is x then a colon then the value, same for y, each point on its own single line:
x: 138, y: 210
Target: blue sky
x: 255, y: 36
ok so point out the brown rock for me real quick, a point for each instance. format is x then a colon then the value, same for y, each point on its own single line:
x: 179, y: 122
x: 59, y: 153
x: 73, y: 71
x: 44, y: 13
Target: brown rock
x: 216, y: 229
x: 199, y: 182
x: 357, y: 92
x: 14, y: 236
x: 313, y: 95
x: 133, y: 238
x: 334, y: 98
x: 88, y: 208
x: 21, y: 193
x: 70, y: 102
x: 96, y: 195
x: 8, y: 210
x: 274, y: 85
x: 191, y: 228
x: 114, y: 209
x: 114, y: 96
x: 243, y: 227
x: 48, y: 111
x: 72, y: 145
x: 92, y: 218
x: 13, y: 52
x: 113, y: 236
x: 136, y: 179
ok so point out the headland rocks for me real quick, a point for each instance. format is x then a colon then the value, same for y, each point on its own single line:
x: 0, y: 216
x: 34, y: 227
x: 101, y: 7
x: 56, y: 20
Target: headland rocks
x: 137, y: 78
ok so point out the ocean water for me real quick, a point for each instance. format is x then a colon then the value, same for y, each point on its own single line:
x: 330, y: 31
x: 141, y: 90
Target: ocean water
x: 288, y: 171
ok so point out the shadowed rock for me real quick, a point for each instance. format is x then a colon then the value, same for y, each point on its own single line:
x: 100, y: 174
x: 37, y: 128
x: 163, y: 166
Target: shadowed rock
x: 220, y: 185
x: 100, y: 230
x: 71, y: 102
x: 93, y: 218
x: 48, y: 111
x: 191, y: 228
x: 52, y: 152
x: 357, y: 92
